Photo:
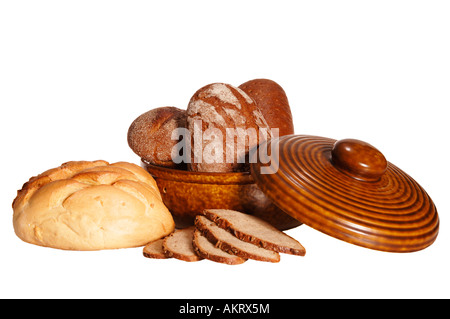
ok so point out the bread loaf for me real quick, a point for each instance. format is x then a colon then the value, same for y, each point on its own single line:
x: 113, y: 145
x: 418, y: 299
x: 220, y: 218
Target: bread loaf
x: 150, y: 135
x: 215, y: 111
x: 273, y: 103
x: 90, y: 206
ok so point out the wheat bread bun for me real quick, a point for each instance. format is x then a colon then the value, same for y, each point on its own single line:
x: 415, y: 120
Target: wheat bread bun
x: 91, y: 205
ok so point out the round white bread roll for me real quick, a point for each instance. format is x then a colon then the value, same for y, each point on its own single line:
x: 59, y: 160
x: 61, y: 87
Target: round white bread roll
x: 95, y: 205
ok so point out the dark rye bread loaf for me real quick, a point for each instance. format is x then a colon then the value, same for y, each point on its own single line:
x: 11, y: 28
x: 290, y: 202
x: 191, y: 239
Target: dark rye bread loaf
x: 273, y: 103
x: 254, y: 230
x: 231, y: 244
x: 204, y: 248
x: 215, y: 108
x: 150, y: 135
x: 179, y: 245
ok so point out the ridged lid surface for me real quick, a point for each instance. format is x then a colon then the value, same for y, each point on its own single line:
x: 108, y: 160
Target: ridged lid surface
x: 348, y: 190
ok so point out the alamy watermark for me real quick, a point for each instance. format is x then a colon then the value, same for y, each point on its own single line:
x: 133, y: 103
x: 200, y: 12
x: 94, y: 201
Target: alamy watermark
x: 238, y: 146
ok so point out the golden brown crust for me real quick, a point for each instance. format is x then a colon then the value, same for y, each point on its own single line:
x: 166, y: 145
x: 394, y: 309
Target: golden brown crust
x: 273, y: 103
x: 85, y: 205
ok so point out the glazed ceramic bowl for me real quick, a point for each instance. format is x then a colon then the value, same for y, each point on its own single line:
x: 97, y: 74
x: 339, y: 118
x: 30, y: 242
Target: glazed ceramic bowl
x: 186, y: 194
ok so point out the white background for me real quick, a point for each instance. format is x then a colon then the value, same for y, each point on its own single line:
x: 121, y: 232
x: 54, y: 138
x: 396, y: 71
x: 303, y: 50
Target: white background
x: 75, y: 74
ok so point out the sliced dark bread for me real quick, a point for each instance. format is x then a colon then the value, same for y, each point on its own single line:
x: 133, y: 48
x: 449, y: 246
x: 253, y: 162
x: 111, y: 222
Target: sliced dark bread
x: 254, y: 230
x: 155, y: 250
x: 231, y: 244
x: 179, y: 245
x: 207, y: 250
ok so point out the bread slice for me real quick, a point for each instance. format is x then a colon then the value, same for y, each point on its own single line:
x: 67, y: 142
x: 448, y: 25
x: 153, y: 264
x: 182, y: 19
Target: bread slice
x: 254, y: 230
x: 206, y: 249
x: 155, y: 250
x: 179, y: 245
x: 231, y: 244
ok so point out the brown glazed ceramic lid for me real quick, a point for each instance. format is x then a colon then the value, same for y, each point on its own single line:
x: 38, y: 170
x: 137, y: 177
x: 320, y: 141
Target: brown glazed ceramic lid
x: 348, y: 190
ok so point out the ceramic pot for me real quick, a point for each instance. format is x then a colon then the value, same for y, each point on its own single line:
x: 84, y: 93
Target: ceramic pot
x: 187, y: 193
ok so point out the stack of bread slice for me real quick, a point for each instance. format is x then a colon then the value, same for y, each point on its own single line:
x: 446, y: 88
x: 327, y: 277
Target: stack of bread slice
x: 225, y: 236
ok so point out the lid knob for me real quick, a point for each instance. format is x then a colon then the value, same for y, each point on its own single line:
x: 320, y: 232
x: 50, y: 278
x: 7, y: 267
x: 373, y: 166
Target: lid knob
x: 358, y: 159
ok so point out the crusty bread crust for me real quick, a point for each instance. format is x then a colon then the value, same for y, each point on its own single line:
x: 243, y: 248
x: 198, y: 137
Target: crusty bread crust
x: 222, y: 106
x: 150, y: 135
x: 273, y: 103
x: 83, y: 205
